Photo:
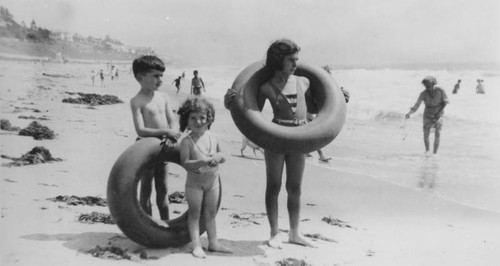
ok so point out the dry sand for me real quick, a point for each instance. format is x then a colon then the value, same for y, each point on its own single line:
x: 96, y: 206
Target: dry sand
x: 378, y: 223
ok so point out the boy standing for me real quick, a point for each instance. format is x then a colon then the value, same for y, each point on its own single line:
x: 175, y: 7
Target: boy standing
x: 435, y: 100
x: 197, y: 84
x: 153, y: 117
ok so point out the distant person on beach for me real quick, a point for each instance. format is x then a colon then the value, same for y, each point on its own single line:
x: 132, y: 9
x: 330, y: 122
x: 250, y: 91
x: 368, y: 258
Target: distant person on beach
x: 200, y: 156
x: 101, y: 76
x: 177, y: 82
x: 322, y: 157
x: 197, y: 84
x: 435, y: 101
x: 287, y: 95
x: 456, y: 87
x: 92, y: 77
x: 480, y: 87
x: 153, y: 117
x: 311, y: 117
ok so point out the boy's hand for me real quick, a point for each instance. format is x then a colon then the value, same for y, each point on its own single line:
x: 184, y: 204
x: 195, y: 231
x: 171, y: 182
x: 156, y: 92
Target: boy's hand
x: 174, y: 135
x: 229, y: 97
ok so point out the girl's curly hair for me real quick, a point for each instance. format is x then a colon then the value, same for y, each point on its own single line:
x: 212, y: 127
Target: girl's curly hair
x: 195, y: 104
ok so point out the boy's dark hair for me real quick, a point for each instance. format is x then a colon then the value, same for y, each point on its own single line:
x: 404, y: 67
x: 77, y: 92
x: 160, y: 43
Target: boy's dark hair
x: 277, y: 52
x: 146, y: 63
x: 195, y: 104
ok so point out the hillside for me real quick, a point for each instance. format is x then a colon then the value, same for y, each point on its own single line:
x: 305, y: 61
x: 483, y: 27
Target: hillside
x: 18, y: 40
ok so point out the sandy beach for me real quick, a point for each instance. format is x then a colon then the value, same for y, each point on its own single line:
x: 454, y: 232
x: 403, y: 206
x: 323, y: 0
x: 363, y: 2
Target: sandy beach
x: 373, y: 222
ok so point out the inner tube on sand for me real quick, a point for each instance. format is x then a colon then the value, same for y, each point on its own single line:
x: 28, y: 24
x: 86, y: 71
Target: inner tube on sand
x: 124, y: 204
x: 301, y: 139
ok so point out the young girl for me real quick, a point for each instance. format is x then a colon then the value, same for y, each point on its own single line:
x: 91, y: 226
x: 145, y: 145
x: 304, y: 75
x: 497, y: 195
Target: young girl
x: 200, y: 155
x: 287, y: 95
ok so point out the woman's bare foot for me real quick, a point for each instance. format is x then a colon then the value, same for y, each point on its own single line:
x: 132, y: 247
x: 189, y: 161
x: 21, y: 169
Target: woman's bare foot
x: 275, y: 242
x: 219, y: 248
x: 299, y: 240
x: 199, y: 253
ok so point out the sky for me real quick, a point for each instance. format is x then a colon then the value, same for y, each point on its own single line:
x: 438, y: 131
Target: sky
x: 237, y: 32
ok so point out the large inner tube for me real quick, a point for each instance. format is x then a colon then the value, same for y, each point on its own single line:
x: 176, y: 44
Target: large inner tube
x: 302, y: 139
x: 124, y: 205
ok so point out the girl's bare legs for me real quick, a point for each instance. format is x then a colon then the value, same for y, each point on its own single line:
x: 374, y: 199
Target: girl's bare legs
x: 294, y: 171
x: 274, y: 172
x: 195, y: 199
x: 210, y: 212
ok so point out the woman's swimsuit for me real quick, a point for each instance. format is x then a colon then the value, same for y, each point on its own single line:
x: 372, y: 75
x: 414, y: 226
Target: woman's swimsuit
x: 205, y: 178
x: 295, y: 103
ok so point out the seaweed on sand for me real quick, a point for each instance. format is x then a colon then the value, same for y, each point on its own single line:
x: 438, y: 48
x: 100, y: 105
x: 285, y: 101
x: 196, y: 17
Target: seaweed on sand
x: 37, y: 155
x: 93, y: 99
x: 118, y: 253
x: 5, y: 125
x: 176, y: 197
x: 75, y: 200
x: 292, y: 262
x: 336, y: 222
x: 37, y: 131
x: 95, y: 217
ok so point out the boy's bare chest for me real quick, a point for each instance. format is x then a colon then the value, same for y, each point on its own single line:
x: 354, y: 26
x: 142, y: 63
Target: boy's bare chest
x: 155, y: 106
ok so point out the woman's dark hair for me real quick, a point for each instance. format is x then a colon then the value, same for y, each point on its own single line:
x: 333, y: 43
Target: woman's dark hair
x: 195, y: 104
x: 277, y: 52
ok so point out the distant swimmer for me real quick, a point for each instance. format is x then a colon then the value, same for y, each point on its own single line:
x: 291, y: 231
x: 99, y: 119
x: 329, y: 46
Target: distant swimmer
x: 177, y: 82
x: 101, y: 75
x: 197, y: 84
x: 457, y: 87
x: 92, y: 77
x: 435, y: 100
x: 480, y: 87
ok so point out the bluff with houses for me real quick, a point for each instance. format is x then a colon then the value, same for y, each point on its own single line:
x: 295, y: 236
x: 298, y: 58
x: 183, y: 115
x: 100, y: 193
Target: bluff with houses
x: 33, y: 41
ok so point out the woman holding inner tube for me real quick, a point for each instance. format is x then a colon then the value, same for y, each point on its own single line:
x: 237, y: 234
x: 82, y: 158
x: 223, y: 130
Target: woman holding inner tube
x: 287, y: 95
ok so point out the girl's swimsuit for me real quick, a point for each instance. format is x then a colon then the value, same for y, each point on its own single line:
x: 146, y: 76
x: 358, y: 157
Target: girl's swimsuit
x: 296, y: 103
x: 205, y: 178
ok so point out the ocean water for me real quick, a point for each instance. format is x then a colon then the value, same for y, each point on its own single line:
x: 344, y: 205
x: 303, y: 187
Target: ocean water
x: 377, y: 141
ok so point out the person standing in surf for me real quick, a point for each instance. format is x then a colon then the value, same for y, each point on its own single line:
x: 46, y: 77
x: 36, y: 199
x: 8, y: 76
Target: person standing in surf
x: 287, y: 95
x: 435, y: 101
x: 197, y: 84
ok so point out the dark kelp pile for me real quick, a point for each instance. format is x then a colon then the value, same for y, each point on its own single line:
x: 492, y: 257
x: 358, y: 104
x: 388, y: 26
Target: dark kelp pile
x: 37, y: 131
x: 118, y: 253
x: 37, y: 155
x: 336, y: 222
x: 292, y: 262
x: 92, y: 99
x: 5, y: 125
x: 176, y: 197
x: 31, y: 117
x: 75, y: 200
x: 95, y: 217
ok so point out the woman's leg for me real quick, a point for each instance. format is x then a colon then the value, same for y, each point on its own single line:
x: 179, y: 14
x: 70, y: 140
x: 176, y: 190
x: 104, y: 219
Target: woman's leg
x: 274, y: 172
x: 195, y: 198
x: 295, y: 164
